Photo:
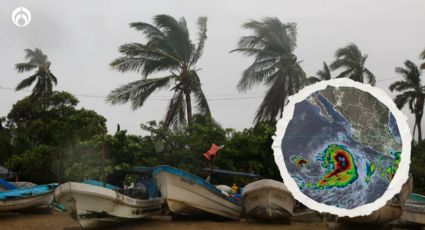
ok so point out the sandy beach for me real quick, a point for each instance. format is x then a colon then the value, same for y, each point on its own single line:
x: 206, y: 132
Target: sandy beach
x: 12, y: 221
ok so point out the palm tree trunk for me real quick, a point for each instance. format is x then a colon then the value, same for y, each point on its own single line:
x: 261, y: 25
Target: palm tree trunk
x: 44, y: 109
x: 419, y: 121
x: 414, y: 127
x: 188, y: 107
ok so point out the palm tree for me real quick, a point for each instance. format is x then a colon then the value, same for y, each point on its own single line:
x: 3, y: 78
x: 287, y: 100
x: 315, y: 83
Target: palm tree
x: 423, y: 57
x: 170, y: 49
x: 322, y: 75
x: 352, y: 61
x: 272, y: 44
x: 412, y: 92
x: 36, y: 59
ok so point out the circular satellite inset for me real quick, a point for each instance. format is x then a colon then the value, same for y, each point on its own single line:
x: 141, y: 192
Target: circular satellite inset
x: 342, y: 147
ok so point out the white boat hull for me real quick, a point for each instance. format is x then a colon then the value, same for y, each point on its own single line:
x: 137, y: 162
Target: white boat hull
x: 184, y: 196
x: 267, y: 199
x: 414, y: 213
x: 94, y: 206
x: 20, y: 203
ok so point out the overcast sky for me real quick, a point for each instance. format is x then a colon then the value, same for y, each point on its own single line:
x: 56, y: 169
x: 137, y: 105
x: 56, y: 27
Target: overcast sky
x: 82, y: 37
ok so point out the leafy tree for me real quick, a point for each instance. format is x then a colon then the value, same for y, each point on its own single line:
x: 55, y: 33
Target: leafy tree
x: 36, y: 59
x: 34, y: 165
x: 64, y: 127
x: 170, y: 49
x: 412, y: 92
x: 351, y: 60
x: 272, y: 44
x: 87, y: 160
x: 322, y: 75
x: 6, y: 148
x: 423, y: 57
x: 250, y: 151
x: 184, y: 148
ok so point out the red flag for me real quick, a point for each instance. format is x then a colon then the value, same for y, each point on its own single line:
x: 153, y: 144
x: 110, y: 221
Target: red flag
x: 210, y: 154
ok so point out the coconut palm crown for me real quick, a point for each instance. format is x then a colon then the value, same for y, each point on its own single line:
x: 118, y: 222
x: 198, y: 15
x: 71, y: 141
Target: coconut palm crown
x: 322, y: 75
x: 43, y: 77
x: 412, y: 92
x: 352, y: 62
x: 168, y: 49
x: 272, y: 44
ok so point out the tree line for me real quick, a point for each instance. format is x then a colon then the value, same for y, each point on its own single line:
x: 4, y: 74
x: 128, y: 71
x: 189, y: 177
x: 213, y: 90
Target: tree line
x: 46, y: 133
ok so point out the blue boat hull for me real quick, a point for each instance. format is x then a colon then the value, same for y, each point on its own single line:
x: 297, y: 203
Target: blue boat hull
x: 25, y: 202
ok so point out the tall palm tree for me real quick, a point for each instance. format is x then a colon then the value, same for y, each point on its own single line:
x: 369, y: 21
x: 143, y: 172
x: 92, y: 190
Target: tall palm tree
x: 272, y: 44
x: 168, y: 48
x: 322, y: 75
x: 423, y: 57
x: 352, y: 61
x: 412, y: 92
x: 36, y: 59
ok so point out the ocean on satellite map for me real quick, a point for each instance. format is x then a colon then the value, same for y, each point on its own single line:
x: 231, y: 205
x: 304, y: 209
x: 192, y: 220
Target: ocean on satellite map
x: 342, y: 147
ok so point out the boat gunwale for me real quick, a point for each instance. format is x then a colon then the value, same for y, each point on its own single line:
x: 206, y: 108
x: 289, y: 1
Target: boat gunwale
x: 24, y: 199
x: 196, y: 179
x: 254, y: 190
x: 70, y: 190
x: 31, y: 192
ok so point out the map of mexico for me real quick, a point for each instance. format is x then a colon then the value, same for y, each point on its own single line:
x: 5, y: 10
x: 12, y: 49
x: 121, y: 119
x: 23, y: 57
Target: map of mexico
x: 342, y: 147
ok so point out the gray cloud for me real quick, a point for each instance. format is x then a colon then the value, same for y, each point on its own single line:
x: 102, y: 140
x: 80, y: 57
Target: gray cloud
x: 82, y: 38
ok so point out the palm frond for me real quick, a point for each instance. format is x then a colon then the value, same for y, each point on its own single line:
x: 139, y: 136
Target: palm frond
x: 27, y: 82
x: 35, y: 57
x: 249, y: 42
x: 255, y: 51
x: 39, y: 88
x: 146, y: 52
x: 150, y: 31
x: 176, y: 113
x: 138, y: 91
x: 23, y: 67
x: 271, y: 43
x: 124, y: 64
x: 53, y: 78
x: 400, y: 86
x: 144, y: 59
x: 370, y: 76
x: 411, y: 73
x: 177, y: 35
x: 325, y: 73
x: 312, y: 80
x: 256, y: 73
x: 339, y: 63
x: 401, y: 99
x: 346, y: 73
x: 273, y: 102
x: 200, y: 99
x: 202, y: 36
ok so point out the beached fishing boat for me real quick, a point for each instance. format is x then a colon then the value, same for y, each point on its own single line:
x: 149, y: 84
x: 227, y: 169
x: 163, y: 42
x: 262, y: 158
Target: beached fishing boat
x: 188, y: 194
x: 25, y: 198
x: 414, y: 209
x: 268, y: 200
x: 391, y: 211
x: 95, y: 204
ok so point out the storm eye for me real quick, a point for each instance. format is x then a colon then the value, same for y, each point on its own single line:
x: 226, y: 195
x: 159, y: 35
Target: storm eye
x: 342, y: 161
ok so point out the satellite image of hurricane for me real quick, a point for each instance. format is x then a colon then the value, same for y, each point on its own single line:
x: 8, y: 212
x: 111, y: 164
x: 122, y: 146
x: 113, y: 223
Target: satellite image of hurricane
x: 342, y: 147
